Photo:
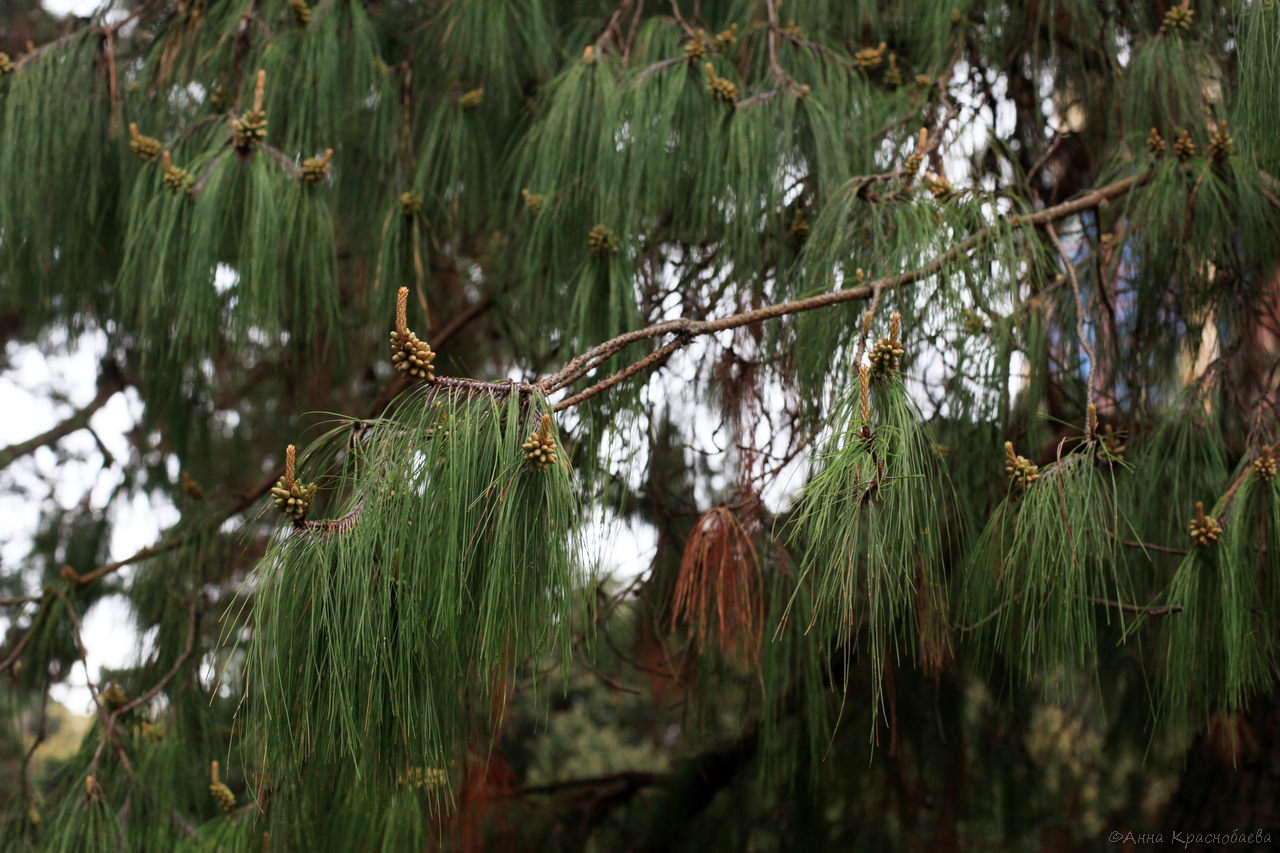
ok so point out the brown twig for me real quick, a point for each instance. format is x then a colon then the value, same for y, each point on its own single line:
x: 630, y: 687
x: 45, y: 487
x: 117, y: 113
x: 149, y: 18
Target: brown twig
x: 1147, y: 546
x: 684, y: 25
x: 285, y: 163
x: 772, y: 39
x: 1152, y: 609
x: 652, y: 360
x: 655, y: 68
x: 610, y: 26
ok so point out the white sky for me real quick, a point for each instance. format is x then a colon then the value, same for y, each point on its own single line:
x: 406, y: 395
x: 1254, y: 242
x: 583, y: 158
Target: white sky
x: 77, y: 7
x: 24, y: 485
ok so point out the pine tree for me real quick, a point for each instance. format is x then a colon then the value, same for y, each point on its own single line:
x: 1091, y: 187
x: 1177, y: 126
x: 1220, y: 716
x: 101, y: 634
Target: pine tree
x: 934, y: 344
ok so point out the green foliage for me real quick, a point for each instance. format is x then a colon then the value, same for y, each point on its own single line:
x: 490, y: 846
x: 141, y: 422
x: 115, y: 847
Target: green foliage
x: 1040, y: 575
x: 670, y: 233
x: 383, y: 635
x: 872, y: 524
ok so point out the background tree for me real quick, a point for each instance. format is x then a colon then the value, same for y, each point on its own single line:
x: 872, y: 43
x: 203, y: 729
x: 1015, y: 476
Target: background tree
x: 933, y: 345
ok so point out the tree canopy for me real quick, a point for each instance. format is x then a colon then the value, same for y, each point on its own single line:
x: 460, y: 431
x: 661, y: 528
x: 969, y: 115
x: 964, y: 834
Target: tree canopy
x: 932, y: 346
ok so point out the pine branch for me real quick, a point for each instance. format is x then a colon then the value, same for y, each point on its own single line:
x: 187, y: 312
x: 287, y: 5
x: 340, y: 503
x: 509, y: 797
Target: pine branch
x: 651, y: 361
x: 689, y: 329
x: 244, y: 502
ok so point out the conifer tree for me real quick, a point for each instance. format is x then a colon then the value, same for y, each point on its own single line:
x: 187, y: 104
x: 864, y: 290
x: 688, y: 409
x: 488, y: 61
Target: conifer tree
x: 933, y: 345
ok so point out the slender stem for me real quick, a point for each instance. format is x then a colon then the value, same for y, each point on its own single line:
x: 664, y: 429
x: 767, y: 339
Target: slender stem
x: 1147, y: 546
x: 1153, y: 609
x: 1150, y: 609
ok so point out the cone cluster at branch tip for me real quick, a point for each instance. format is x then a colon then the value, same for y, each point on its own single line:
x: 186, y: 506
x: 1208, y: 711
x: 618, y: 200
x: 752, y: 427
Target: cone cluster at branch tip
x: 800, y: 226
x: 1264, y: 467
x: 886, y: 354
x: 301, y: 14
x: 191, y: 487
x: 221, y: 793
x: 938, y: 186
x: 175, y: 179
x: 695, y: 50
x: 725, y: 39
x: 314, y: 169
x: 603, y: 241
x: 152, y: 734
x: 251, y: 127
x: 1022, y: 473
x: 540, y: 448
x: 410, y: 203
x: 410, y: 355
x: 218, y: 100
x: 294, y: 500
x: 721, y: 89
x: 973, y: 323
x: 1155, y: 142
x: 893, y: 74
x: 533, y: 201
x: 1184, y: 147
x: 1205, y: 529
x: 291, y: 497
x: 869, y: 58
x: 6, y: 64
x: 1112, y: 445
x: 114, y: 696
x: 420, y: 777
x: 147, y: 148
x: 470, y: 100
x: 1178, y: 19
x: 916, y: 160
x: 1221, y: 145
